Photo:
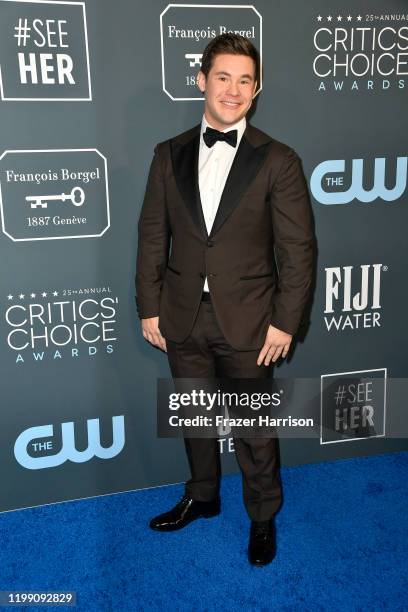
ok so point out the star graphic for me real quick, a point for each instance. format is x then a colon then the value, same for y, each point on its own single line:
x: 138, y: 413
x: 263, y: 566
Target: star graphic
x: 359, y: 17
x: 55, y: 293
x: 339, y: 18
x: 319, y: 18
x: 21, y: 296
x: 329, y: 18
x: 9, y: 297
x: 349, y: 18
x: 32, y: 295
x: 44, y: 294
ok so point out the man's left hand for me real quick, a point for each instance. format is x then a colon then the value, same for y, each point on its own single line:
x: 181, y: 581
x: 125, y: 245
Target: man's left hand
x: 277, y: 343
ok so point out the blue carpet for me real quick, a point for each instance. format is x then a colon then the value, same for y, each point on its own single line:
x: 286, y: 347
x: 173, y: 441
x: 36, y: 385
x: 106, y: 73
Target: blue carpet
x: 341, y: 536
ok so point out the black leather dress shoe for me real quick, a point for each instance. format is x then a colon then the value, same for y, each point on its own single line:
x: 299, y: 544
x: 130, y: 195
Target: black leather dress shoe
x: 183, y: 513
x: 262, y: 542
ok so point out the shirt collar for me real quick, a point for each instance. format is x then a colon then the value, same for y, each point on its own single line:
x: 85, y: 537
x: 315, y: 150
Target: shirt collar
x: 239, y: 126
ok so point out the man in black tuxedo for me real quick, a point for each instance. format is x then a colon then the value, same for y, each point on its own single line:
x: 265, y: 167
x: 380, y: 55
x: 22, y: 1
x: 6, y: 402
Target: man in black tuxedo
x: 231, y: 205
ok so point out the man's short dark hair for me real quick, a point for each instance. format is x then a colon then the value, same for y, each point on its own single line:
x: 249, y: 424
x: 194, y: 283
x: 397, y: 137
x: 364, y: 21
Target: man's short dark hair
x: 234, y: 44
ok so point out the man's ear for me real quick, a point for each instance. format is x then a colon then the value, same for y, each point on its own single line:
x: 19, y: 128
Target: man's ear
x: 201, y: 81
x: 255, y: 89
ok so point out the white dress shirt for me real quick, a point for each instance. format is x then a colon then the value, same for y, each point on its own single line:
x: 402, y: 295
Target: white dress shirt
x: 214, y: 164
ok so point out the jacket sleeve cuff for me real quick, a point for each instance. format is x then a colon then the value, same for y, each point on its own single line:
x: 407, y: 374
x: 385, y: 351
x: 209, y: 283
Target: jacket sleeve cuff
x: 148, y: 309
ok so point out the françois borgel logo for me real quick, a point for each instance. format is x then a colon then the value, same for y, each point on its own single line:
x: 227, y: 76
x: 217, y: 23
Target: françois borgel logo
x: 334, y: 181
x: 44, y: 51
x: 35, y: 447
x: 353, y: 297
x: 363, y: 52
x: 185, y: 32
x: 353, y: 405
x: 66, y: 324
x: 54, y: 194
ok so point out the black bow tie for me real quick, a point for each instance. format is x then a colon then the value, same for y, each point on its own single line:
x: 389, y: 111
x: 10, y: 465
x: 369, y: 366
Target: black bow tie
x: 211, y: 136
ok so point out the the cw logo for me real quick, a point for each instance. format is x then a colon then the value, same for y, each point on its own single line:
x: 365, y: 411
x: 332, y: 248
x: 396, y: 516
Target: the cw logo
x: 320, y: 181
x: 68, y: 450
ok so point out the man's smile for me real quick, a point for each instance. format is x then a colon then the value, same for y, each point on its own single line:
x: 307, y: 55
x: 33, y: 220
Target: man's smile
x: 230, y: 104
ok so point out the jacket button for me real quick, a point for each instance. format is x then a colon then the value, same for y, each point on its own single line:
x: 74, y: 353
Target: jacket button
x: 210, y: 242
x: 212, y: 274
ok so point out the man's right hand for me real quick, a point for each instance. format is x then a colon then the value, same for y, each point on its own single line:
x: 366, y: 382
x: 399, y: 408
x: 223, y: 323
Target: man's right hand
x: 151, y: 333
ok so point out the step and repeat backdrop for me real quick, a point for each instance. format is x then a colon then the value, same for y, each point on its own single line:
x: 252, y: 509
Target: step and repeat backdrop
x: 87, y: 90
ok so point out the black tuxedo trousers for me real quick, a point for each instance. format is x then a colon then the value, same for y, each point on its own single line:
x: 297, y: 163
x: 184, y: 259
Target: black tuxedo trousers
x: 207, y: 354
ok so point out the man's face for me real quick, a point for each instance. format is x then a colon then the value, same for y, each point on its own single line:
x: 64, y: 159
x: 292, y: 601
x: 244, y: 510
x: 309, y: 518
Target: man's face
x: 229, y: 89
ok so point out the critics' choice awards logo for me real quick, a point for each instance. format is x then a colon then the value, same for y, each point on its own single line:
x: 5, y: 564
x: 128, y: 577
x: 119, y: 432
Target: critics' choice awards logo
x: 54, y: 194
x: 360, y: 52
x: 353, y: 405
x: 44, y: 51
x: 36, y: 447
x: 353, y: 297
x: 336, y: 182
x: 58, y: 324
x: 187, y: 29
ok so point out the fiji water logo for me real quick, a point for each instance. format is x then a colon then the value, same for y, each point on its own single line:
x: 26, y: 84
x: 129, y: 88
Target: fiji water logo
x: 353, y: 297
x: 329, y: 189
x: 31, y: 442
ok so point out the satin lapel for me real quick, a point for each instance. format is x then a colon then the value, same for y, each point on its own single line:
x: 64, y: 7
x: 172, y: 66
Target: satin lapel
x: 185, y: 168
x: 246, y: 165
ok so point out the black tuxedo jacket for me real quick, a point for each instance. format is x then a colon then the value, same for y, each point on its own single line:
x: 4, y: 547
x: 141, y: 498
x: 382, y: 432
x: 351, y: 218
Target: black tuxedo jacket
x: 258, y: 257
